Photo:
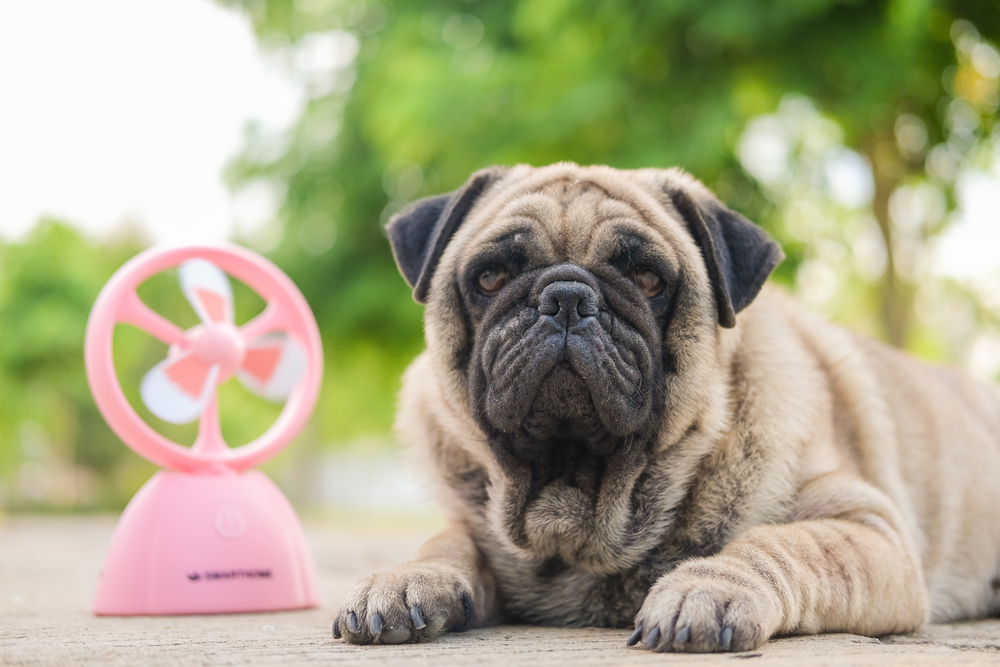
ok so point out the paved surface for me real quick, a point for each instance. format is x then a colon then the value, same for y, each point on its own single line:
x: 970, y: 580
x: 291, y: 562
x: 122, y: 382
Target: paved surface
x: 49, y: 565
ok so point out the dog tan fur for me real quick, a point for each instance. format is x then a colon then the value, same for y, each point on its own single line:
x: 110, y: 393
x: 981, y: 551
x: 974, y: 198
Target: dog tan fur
x: 801, y: 479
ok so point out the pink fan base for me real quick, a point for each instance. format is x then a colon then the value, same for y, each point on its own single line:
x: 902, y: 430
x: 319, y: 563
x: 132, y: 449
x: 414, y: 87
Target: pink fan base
x: 202, y: 543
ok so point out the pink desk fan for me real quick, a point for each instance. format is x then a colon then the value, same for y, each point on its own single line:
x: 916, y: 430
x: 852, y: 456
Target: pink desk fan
x: 207, y: 535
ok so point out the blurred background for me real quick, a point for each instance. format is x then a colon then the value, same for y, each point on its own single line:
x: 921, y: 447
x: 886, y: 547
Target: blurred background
x: 862, y: 135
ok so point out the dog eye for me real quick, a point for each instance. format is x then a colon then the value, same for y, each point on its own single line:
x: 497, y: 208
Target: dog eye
x: 648, y: 282
x: 492, y: 279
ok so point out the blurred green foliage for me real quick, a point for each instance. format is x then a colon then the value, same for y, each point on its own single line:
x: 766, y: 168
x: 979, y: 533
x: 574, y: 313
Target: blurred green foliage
x: 441, y: 88
x: 53, y: 442
x: 407, y: 98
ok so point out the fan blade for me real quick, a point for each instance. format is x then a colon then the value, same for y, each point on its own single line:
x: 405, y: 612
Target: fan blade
x: 177, y: 388
x: 208, y: 290
x: 273, y: 365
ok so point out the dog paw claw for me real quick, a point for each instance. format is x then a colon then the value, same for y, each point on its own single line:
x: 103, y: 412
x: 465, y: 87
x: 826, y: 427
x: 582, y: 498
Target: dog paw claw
x: 470, y: 611
x: 417, y: 614
x: 727, y: 638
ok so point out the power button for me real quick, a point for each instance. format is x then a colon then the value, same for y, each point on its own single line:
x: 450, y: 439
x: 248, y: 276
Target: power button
x: 230, y: 523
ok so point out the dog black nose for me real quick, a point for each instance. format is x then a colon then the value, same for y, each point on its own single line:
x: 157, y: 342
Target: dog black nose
x: 568, y: 302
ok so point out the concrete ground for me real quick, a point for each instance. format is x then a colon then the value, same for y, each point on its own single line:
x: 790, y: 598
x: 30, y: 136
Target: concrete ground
x: 49, y: 566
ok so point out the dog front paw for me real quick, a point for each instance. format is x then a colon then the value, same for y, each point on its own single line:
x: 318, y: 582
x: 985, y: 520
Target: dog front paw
x: 706, y: 605
x: 409, y: 604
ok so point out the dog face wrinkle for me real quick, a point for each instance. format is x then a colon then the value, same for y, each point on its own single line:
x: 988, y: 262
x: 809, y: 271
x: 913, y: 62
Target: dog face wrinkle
x: 566, y: 368
x: 550, y: 328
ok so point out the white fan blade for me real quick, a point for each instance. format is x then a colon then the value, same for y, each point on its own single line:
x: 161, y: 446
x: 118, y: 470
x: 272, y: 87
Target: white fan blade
x: 208, y: 290
x: 273, y: 365
x: 177, y: 388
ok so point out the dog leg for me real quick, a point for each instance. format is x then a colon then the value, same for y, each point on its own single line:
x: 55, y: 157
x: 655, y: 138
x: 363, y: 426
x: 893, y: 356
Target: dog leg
x: 448, y: 587
x: 853, y: 572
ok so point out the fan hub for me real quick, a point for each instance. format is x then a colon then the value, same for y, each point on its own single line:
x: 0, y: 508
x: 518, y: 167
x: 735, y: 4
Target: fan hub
x: 219, y: 344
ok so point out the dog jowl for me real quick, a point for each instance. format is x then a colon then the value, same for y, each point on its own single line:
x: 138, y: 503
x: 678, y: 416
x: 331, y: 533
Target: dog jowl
x: 626, y: 429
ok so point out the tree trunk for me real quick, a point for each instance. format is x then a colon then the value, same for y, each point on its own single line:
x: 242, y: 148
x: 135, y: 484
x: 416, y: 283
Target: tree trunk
x: 896, y: 294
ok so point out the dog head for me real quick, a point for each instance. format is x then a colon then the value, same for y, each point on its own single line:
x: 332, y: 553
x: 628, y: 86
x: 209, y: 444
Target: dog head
x: 573, y: 312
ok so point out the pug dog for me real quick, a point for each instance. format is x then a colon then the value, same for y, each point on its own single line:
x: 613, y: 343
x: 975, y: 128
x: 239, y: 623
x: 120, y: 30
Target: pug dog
x: 626, y: 428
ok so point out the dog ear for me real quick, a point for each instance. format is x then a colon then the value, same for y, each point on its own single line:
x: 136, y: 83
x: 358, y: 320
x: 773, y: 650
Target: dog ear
x: 419, y: 233
x: 739, y: 254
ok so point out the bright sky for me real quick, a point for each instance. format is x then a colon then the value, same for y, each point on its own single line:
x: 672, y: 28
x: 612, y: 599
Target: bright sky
x: 129, y: 109
x: 970, y: 247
